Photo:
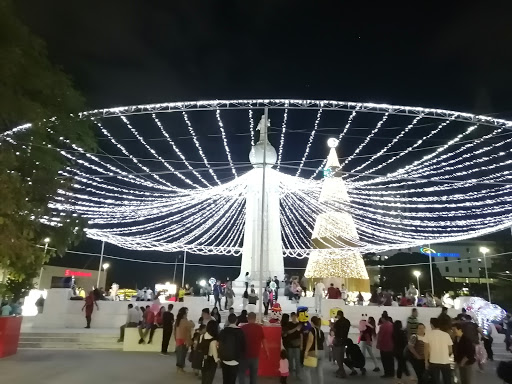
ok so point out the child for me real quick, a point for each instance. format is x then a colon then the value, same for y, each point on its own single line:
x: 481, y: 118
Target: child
x: 196, y: 356
x: 330, y: 344
x: 284, y: 367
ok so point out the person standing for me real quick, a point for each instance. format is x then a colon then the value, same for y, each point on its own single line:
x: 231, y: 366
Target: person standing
x: 266, y: 301
x: 385, y: 346
x: 217, y: 294
x: 215, y: 315
x: 232, y: 346
x: 331, y: 292
x: 183, y: 337
x: 438, y: 348
x: 132, y: 321
x: 304, y: 284
x: 412, y: 323
x: 319, y: 296
x: 167, y: 325
x: 40, y: 304
x: 230, y: 295
x: 367, y: 336
x: 344, y: 293
x: 284, y: 367
x: 417, y: 352
x: 276, y: 282
x: 341, y: 329
x: 293, y: 337
x: 255, y: 340
x: 445, y: 321
x: 463, y: 355
x: 90, y: 302
x: 209, y: 346
x: 315, y: 348
x: 247, y: 279
x: 399, y: 344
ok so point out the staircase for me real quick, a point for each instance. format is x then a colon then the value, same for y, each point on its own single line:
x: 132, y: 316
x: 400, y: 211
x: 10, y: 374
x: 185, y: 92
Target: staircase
x: 69, y: 341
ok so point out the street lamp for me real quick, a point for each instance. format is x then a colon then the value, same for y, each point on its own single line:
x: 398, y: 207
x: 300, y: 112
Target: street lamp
x: 46, y: 241
x: 484, y: 251
x: 417, y: 274
x: 105, y: 267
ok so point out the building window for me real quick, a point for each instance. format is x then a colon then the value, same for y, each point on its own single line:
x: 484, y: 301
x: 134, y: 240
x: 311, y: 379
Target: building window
x: 469, y: 261
x: 459, y: 260
x: 470, y: 270
x: 445, y: 259
x: 447, y: 269
x: 467, y: 250
x: 460, y: 270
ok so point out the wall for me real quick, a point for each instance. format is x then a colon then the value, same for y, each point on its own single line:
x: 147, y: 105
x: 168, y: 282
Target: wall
x: 87, y: 283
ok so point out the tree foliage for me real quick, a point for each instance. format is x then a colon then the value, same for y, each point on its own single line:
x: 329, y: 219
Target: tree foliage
x: 32, y: 90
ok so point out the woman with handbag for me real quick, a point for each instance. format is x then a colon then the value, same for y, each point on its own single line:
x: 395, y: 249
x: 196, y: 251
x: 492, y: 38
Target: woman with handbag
x: 314, y: 352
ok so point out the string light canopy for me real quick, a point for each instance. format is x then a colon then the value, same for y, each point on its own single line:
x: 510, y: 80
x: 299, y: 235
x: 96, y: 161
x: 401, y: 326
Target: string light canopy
x: 173, y: 176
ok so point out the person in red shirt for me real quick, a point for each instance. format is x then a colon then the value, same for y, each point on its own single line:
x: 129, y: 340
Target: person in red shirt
x: 385, y: 346
x: 331, y: 292
x: 254, y: 340
x: 157, y: 323
x: 148, y: 320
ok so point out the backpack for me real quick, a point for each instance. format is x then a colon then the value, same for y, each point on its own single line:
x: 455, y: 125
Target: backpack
x: 231, y: 344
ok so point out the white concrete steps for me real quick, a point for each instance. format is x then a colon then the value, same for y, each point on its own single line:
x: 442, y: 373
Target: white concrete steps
x: 69, y: 341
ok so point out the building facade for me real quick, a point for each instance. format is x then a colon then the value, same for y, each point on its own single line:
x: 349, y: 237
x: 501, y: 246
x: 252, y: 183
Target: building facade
x: 52, y: 277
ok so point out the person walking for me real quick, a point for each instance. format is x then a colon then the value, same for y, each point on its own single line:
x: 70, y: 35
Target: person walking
x: 463, y: 355
x: 209, y: 347
x: 132, y: 321
x: 416, y: 349
x: 90, y: 302
x: 315, y: 348
x: 367, y: 337
x: 167, y: 325
x: 217, y: 293
x: 385, y: 346
x: 319, y: 296
x: 399, y: 344
x: 341, y: 329
x: 183, y: 337
x: 255, y: 340
x: 438, y: 348
x: 232, y: 346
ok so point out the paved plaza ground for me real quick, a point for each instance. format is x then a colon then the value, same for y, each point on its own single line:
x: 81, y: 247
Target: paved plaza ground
x: 110, y: 367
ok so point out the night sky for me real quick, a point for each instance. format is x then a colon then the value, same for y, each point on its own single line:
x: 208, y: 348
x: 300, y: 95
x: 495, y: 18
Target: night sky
x: 452, y: 56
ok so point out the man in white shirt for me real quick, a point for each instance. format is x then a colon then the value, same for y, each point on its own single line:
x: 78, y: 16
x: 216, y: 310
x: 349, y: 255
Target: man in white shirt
x: 132, y: 321
x: 438, y: 348
x: 319, y: 296
x: 343, y: 291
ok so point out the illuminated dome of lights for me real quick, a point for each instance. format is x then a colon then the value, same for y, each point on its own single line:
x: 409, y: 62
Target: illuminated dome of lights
x: 173, y: 176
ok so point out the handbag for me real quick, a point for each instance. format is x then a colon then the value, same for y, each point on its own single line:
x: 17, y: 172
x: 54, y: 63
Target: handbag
x: 312, y: 361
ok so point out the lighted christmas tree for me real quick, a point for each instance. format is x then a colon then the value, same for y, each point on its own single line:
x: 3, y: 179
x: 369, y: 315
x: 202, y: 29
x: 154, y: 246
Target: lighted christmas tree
x: 335, y: 229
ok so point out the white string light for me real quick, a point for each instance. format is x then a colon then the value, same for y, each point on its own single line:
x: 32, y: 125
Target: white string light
x: 311, y: 137
x: 224, y: 140
x: 281, y: 142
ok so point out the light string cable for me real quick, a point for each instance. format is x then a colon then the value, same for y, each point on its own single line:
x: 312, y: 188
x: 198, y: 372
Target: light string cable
x: 310, y: 140
x: 225, y: 142
x: 281, y: 142
x: 366, y: 140
x: 153, y: 152
x: 176, y: 150
x: 198, y: 146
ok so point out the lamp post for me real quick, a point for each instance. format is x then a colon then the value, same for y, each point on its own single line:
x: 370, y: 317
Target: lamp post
x: 417, y: 274
x: 46, y: 242
x: 484, y: 251
x: 105, y: 267
x: 101, y: 263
